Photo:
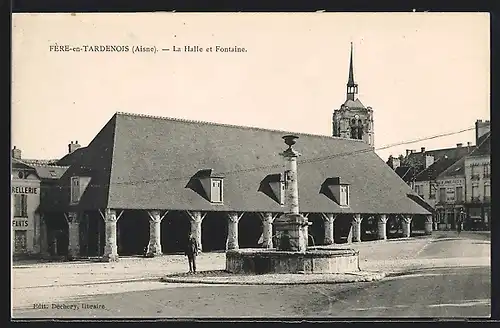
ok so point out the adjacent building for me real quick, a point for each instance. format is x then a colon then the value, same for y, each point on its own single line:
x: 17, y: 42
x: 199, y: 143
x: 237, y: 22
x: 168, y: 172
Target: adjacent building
x: 29, y: 182
x: 452, y: 180
x: 477, y: 168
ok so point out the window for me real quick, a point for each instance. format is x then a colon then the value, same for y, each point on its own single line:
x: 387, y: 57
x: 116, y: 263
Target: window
x: 474, y: 192
x: 487, y: 192
x: 344, y: 195
x: 442, y: 194
x: 458, y: 193
x: 432, y: 191
x: 75, y: 190
x: 216, y: 191
x: 486, y: 171
x: 475, y: 172
x: 20, y: 205
x: 419, y: 190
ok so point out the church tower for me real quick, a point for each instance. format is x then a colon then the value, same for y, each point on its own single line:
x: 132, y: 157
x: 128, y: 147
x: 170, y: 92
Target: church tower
x: 353, y: 120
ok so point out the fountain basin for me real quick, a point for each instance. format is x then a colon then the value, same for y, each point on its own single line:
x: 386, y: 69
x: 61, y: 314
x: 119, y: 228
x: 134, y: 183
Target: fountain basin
x: 319, y: 260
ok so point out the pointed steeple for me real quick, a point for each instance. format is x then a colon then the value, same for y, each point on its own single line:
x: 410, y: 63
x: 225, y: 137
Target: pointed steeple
x: 352, y: 87
x: 351, y: 71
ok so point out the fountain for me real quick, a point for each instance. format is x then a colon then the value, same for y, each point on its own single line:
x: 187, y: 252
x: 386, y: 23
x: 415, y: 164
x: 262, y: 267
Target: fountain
x: 292, y: 254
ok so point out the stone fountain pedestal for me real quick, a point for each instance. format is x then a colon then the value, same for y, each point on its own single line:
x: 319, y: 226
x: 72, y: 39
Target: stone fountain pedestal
x: 292, y: 254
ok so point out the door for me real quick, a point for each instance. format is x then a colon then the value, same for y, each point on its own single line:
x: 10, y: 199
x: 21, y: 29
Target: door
x: 20, y: 241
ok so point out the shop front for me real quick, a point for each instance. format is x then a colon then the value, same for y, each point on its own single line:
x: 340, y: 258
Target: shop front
x: 25, y: 199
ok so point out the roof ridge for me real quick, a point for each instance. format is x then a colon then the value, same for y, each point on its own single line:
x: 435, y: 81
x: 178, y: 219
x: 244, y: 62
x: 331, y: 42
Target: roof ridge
x: 232, y: 125
x: 55, y: 166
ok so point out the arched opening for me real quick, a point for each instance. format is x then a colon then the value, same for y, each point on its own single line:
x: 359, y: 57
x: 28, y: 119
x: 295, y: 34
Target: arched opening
x: 316, y: 229
x: 95, y: 236
x: 175, y: 228
x: 214, y: 231
x: 417, y: 225
x: 369, y: 228
x: 342, y: 228
x: 57, y: 234
x: 132, y: 232
x: 394, y: 227
x: 249, y: 230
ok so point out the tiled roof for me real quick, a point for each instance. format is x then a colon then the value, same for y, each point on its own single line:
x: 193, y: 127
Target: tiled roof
x: 40, y: 161
x: 407, y: 173
x: 434, y: 170
x: 354, y: 103
x: 46, y: 170
x: 144, y: 162
x: 456, y: 169
x: 50, y: 171
x: 483, y: 145
x: 451, y: 153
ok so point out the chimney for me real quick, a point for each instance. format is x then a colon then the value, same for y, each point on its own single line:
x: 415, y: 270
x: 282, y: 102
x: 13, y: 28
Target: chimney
x: 459, y: 145
x: 395, y: 163
x: 73, y: 146
x: 407, y: 152
x: 16, y: 153
x: 422, y: 149
x: 482, y: 128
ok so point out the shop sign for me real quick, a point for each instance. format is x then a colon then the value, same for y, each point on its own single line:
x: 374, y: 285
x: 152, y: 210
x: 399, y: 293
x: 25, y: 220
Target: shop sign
x: 25, y: 190
x: 20, y: 223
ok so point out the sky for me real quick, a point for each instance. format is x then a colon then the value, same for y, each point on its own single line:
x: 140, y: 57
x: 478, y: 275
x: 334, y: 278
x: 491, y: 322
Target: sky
x: 424, y: 74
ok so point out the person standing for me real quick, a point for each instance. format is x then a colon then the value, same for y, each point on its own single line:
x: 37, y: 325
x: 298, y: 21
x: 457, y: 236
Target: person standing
x: 460, y: 221
x: 191, y: 252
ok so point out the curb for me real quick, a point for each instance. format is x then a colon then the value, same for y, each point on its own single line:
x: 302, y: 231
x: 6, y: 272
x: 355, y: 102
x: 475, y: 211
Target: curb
x: 96, y: 283
x: 306, y: 279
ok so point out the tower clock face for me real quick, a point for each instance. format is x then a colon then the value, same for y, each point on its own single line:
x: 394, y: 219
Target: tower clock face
x: 356, y: 117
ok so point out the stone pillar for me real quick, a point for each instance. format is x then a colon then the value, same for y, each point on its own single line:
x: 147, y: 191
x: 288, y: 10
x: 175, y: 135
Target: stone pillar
x: 267, y: 229
x: 110, y: 248
x: 73, y: 234
x: 292, y: 189
x: 44, y: 245
x: 232, y: 230
x: 356, y: 227
x: 381, y: 227
x: 329, y: 220
x: 428, y: 224
x: 154, y: 246
x: 196, y: 218
x: 406, y: 226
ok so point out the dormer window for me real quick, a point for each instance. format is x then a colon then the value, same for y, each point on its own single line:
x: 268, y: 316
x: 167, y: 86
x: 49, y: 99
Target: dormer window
x: 344, y: 195
x: 216, y: 190
x: 75, y: 190
x: 274, y: 187
x: 336, y: 190
x: 208, y: 185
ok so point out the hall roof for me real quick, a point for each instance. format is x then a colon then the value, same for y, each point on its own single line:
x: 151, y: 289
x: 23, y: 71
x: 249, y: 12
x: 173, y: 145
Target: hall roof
x: 146, y: 162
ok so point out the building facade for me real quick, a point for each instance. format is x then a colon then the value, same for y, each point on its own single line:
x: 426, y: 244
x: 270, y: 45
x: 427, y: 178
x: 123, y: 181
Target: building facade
x: 353, y: 120
x: 452, y: 179
x: 478, y: 184
x: 25, y: 199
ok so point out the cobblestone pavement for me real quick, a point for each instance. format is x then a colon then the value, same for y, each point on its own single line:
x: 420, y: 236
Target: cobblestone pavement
x: 45, y: 282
